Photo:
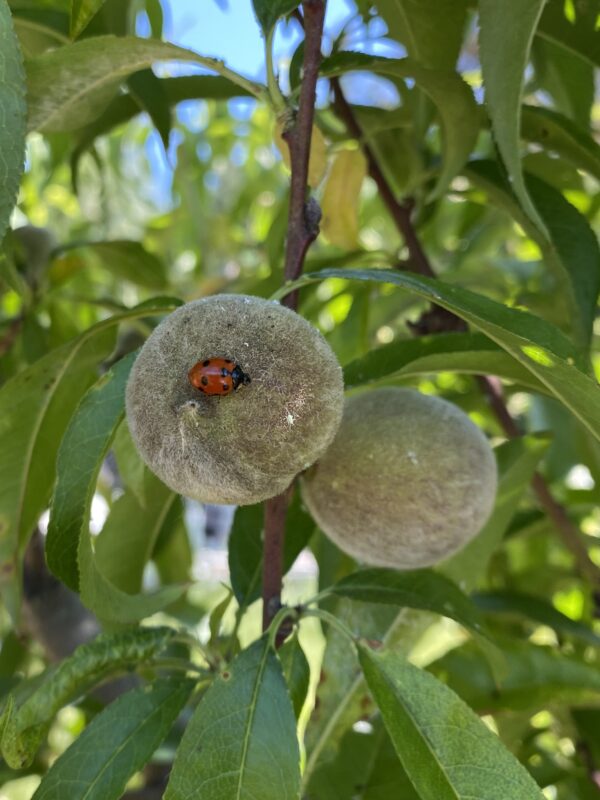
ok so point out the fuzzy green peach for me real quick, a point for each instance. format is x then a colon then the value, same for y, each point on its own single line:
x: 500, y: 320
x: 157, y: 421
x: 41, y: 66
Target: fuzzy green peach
x: 407, y: 481
x: 249, y: 445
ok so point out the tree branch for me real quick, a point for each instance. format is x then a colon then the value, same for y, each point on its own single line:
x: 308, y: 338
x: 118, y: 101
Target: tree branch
x: 439, y: 320
x: 303, y: 228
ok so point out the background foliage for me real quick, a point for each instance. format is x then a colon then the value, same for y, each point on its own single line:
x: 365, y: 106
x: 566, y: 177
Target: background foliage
x: 152, y: 175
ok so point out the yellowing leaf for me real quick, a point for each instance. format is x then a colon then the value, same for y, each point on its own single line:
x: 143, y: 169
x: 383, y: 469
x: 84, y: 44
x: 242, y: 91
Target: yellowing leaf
x: 318, y: 153
x: 340, y: 199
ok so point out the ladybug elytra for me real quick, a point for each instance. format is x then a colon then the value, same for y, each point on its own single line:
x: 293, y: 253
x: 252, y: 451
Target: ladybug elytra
x: 217, y: 376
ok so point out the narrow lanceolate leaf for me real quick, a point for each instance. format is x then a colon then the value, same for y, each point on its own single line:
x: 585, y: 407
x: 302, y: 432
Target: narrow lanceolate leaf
x: 447, y: 751
x: 571, y: 253
x: 35, y: 408
x: 12, y: 120
x: 269, y: 11
x: 582, y: 39
x: 504, y: 53
x: 116, y: 744
x: 449, y: 93
x: 528, y: 606
x: 82, y: 12
x: 80, y: 457
x: 149, y: 92
x: 423, y: 589
x: 68, y: 87
x: 417, y: 26
x: 241, y: 742
x: 341, y: 199
x: 128, y: 260
x: 471, y: 353
x: 127, y: 539
x: 535, y: 678
x: 26, y: 723
x: 557, y: 133
x: 537, y: 344
x: 69, y: 548
x: 296, y: 671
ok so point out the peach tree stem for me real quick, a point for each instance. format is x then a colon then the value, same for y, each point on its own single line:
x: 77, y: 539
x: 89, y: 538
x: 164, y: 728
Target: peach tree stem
x: 303, y: 228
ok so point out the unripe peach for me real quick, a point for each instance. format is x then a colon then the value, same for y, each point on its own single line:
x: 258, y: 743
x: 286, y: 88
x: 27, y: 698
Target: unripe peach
x: 250, y: 444
x: 407, y: 481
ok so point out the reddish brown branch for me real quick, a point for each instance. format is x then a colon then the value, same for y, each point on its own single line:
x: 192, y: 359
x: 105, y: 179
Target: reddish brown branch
x: 438, y: 320
x: 303, y: 228
x: 304, y: 215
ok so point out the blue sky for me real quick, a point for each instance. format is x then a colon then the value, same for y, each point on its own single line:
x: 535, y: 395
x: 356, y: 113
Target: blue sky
x: 227, y: 29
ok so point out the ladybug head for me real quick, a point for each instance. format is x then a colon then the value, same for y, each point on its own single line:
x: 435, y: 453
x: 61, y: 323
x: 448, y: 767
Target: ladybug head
x: 239, y: 377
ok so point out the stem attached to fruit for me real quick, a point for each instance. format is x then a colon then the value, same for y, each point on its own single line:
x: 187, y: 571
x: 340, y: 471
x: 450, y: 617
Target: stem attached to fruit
x: 303, y: 228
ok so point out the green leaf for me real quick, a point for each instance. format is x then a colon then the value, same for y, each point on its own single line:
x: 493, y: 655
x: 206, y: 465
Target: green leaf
x: 537, y: 344
x: 150, y: 94
x: 559, y: 134
x: 68, y: 87
x: 84, y: 445
x: 241, y: 741
x: 296, y: 671
x: 14, y: 112
x: 536, y: 677
x: 342, y: 695
x: 269, y: 11
x: 572, y: 253
x: 430, y: 726
x: 129, y: 535
x: 124, y: 107
x: 417, y: 26
x: 567, y: 77
x: 535, y: 608
x: 422, y: 589
x: 582, y: 39
x: 132, y: 469
x: 116, y: 744
x: 471, y: 353
x: 26, y: 726
x: 245, y: 547
x: 504, y: 53
x: 35, y: 407
x: 69, y: 550
x: 128, y: 260
x: 517, y: 461
x: 366, y: 767
x: 452, y: 97
x: 82, y: 12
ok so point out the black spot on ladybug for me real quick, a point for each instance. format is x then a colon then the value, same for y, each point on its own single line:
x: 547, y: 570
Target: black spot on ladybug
x: 225, y: 387
x: 224, y: 371
x: 204, y: 381
x: 206, y: 363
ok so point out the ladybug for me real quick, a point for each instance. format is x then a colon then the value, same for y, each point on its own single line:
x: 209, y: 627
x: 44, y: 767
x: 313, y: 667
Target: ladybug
x: 217, y: 376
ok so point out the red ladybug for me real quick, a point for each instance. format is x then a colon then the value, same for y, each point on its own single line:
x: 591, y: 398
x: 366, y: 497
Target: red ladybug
x: 217, y: 376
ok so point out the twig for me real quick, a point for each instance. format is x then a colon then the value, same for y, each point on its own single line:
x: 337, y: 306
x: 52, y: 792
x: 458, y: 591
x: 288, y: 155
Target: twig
x: 304, y: 217
x: 303, y: 228
x: 438, y: 320
x: 275, y: 516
